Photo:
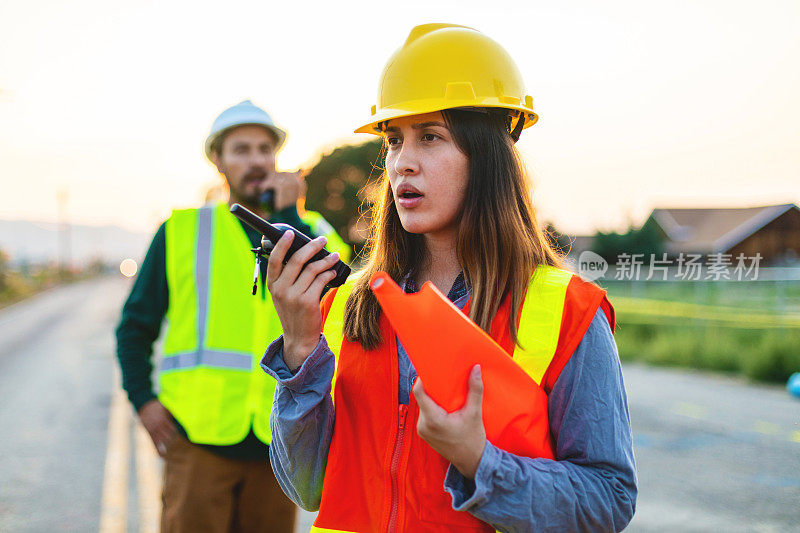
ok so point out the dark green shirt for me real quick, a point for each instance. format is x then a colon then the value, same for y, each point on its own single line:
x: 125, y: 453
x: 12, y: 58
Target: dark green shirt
x: 143, y: 314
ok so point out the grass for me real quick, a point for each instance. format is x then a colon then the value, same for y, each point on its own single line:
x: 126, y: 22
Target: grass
x: 16, y: 286
x: 762, y: 355
x: 748, y: 329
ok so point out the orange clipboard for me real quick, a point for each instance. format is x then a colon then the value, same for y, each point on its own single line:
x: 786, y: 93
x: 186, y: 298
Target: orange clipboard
x: 444, y: 344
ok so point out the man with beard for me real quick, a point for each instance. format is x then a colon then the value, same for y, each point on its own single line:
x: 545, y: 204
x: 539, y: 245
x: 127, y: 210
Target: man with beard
x: 210, y: 419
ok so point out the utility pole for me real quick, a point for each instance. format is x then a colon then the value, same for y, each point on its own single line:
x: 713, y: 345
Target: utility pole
x: 63, y: 232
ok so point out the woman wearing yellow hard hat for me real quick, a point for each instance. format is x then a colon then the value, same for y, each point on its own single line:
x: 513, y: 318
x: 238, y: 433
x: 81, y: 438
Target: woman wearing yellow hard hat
x: 353, y: 434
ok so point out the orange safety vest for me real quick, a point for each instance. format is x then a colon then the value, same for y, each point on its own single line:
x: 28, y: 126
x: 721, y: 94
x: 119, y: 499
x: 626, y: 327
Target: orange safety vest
x: 380, y: 475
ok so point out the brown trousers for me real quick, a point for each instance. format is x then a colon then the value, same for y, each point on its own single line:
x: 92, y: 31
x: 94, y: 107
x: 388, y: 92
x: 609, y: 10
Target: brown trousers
x: 206, y: 492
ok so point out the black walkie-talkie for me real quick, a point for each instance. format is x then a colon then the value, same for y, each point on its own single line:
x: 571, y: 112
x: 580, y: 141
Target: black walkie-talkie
x: 267, y: 199
x: 273, y: 232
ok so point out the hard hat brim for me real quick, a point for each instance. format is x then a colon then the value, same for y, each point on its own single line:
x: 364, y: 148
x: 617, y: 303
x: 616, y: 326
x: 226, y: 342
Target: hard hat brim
x: 280, y: 135
x: 419, y: 108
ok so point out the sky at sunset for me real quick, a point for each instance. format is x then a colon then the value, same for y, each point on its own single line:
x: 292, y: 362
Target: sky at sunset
x: 642, y: 104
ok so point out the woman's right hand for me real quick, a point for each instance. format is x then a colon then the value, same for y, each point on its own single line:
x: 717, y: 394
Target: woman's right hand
x: 296, y: 292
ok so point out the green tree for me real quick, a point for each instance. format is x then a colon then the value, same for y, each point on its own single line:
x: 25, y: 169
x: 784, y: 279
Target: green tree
x: 336, y: 186
x: 3, y: 271
x: 649, y: 239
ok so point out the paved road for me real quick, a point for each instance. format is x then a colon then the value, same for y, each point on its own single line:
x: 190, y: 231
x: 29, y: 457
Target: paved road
x: 55, y: 377
x: 714, y: 454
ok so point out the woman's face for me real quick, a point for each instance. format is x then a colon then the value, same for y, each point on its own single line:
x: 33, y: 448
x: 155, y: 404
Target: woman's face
x: 428, y: 174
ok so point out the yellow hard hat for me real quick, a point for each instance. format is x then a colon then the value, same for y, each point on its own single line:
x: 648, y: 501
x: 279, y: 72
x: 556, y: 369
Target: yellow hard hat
x: 443, y: 66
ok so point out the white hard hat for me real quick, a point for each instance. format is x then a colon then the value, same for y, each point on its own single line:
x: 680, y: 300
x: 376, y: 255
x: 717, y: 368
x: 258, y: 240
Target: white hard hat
x: 241, y: 114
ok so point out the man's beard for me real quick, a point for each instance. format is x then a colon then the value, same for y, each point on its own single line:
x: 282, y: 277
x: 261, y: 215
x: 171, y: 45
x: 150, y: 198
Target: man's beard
x: 245, y: 193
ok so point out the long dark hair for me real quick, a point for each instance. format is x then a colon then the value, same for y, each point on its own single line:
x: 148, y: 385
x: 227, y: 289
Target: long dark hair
x: 499, y: 240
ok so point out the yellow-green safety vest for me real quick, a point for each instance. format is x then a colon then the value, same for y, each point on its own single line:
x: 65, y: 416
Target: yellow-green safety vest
x: 321, y: 227
x: 210, y: 377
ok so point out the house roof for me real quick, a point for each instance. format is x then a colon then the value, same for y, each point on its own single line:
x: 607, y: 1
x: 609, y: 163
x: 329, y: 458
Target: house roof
x: 712, y: 230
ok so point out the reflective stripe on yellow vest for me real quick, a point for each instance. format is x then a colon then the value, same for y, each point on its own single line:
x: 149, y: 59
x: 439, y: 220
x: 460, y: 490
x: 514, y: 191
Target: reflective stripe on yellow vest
x: 217, y: 332
x: 540, y: 320
x: 539, y: 326
x: 334, y: 324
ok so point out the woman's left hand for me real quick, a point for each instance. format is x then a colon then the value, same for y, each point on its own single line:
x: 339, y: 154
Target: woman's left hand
x: 459, y: 436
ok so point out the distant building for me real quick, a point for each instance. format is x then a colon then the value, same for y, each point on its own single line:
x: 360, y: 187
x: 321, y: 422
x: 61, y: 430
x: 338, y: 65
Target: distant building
x: 772, y: 231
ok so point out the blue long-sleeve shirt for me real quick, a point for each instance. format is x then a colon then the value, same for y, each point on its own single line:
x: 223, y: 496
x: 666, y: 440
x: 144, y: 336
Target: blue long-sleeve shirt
x: 591, y: 486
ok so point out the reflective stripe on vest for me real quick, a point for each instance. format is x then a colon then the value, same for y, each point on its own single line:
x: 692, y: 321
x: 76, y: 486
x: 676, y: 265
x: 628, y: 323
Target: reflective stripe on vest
x: 217, y: 331
x: 211, y: 358
x: 240, y: 361
x: 540, y: 320
x: 334, y: 324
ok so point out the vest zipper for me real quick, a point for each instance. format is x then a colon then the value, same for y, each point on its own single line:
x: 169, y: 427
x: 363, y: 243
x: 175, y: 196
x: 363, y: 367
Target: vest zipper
x: 395, y: 467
